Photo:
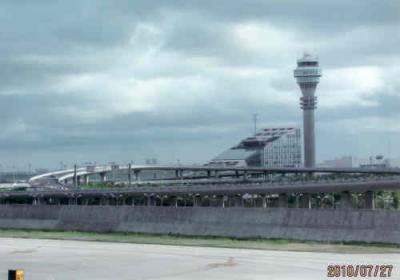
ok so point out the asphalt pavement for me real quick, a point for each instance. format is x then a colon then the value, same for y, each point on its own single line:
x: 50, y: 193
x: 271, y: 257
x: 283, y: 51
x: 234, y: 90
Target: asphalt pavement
x: 54, y: 259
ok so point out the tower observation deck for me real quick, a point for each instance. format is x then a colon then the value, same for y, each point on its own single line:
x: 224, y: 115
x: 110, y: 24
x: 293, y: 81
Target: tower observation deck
x: 307, y: 75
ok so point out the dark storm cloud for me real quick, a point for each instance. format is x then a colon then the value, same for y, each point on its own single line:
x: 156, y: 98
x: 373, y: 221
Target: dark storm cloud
x: 92, y: 79
x: 317, y: 14
x: 313, y: 14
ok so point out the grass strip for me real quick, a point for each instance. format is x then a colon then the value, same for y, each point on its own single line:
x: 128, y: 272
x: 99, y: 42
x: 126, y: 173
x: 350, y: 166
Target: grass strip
x: 219, y: 242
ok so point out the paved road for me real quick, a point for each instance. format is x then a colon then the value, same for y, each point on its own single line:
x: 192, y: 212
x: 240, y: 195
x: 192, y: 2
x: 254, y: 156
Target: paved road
x: 50, y: 259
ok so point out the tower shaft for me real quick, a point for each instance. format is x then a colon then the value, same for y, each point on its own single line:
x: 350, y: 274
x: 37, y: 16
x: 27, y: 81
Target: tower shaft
x: 308, y: 104
x: 309, y: 138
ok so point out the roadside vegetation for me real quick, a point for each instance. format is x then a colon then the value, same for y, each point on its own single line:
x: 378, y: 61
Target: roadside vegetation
x: 220, y: 242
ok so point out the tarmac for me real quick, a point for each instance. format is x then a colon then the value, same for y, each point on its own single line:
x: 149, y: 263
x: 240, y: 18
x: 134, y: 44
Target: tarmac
x: 62, y: 259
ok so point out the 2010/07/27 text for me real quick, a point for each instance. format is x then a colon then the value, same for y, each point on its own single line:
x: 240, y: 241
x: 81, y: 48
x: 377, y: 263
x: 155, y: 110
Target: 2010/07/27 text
x: 359, y: 270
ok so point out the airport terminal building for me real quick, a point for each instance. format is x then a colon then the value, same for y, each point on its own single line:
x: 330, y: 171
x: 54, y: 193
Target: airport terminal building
x: 270, y: 147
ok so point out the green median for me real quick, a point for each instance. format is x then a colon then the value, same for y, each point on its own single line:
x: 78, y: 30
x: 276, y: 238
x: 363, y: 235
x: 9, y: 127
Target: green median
x: 219, y: 242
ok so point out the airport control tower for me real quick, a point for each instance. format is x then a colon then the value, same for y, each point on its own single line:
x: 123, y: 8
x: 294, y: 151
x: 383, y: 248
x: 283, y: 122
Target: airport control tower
x: 307, y: 75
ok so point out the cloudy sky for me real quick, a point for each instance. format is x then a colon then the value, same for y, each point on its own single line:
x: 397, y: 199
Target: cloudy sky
x: 84, y: 81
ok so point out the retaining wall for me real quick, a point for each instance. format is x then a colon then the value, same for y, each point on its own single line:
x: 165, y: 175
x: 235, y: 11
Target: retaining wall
x: 288, y: 223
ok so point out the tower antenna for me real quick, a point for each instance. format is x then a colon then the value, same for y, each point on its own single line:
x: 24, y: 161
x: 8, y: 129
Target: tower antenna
x: 255, y: 117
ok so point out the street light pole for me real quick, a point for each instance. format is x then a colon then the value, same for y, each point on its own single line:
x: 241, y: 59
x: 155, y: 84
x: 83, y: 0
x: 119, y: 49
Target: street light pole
x: 130, y: 174
x: 75, y: 177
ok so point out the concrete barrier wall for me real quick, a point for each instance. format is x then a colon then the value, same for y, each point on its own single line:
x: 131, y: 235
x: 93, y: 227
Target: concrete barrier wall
x: 288, y: 223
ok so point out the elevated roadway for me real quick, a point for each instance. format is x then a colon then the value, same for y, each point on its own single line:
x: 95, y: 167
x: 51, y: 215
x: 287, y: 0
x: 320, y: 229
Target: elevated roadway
x: 64, y: 175
x: 249, y: 187
x: 205, y: 181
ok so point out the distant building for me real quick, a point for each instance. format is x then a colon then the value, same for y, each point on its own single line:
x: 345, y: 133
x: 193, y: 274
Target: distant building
x: 270, y: 147
x: 342, y: 162
x: 375, y: 162
x: 151, y: 161
x: 395, y: 162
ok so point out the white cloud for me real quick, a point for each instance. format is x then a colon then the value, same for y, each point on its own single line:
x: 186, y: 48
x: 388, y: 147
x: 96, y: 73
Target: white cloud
x: 351, y: 86
x: 262, y: 37
x: 373, y: 124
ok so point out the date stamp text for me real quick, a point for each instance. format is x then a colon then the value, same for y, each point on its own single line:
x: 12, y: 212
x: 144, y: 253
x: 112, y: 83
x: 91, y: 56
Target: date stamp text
x: 360, y: 270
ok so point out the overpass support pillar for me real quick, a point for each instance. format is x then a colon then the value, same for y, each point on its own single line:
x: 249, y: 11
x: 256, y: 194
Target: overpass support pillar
x: 72, y: 200
x: 213, y: 200
x: 162, y: 197
x: 173, y: 200
x: 103, y: 177
x: 283, y: 200
x: 305, y: 200
x: 196, y: 201
x: 225, y: 201
x: 217, y: 201
x: 121, y: 200
x: 85, y: 201
x: 259, y: 200
x: 264, y: 201
x: 369, y: 197
x: 58, y: 201
x: 238, y: 201
x: 151, y: 200
x: 36, y: 201
x: 43, y: 201
x: 345, y: 200
x: 105, y: 200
